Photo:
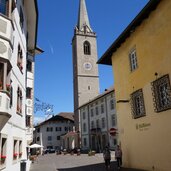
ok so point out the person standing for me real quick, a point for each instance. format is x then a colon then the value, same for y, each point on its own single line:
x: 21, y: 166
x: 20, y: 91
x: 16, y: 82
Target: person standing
x: 118, y: 156
x: 107, y: 157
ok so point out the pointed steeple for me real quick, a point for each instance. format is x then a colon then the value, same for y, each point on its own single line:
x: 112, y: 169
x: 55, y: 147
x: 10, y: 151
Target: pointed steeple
x: 83, y: 21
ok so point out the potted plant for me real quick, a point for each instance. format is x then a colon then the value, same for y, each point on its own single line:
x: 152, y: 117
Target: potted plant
x: 15, y: 155
x: 3, y: 159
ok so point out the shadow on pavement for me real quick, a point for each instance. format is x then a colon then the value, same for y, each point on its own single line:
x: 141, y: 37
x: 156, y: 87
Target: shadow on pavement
x: 97, y: 167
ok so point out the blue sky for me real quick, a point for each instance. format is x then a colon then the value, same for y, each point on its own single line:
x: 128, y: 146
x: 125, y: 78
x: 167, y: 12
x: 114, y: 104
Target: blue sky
x: 57, y: 19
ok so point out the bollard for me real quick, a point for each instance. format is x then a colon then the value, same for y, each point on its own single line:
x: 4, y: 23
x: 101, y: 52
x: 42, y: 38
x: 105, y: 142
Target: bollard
x: 23, y: 165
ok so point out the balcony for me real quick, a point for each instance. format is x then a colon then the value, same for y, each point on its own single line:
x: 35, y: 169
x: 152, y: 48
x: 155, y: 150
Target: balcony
x: 5, y: 111
x: 6, y: 37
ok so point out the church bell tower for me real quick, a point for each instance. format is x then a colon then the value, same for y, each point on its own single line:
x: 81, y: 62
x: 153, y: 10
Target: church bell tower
x: 85, y: 69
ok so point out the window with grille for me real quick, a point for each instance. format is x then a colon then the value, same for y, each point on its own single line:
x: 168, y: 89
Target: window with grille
x: 87, y: 48
x: 162, y: 93
x: 137, y: 104
x: 133, y: 60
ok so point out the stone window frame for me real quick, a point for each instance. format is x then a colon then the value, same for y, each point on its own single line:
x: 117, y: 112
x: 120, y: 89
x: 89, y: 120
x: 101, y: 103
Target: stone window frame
x: 137, y: 104
x: 87, y: 48
x: 162, y: 99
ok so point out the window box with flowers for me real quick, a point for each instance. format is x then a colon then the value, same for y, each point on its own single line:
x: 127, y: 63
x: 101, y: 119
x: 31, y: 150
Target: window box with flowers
x: 20, y: 154
x: 15, y: 156
x: 8, y: 87
x: 3, y: 158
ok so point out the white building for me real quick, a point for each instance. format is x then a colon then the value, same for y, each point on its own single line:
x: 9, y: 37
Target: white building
x: 49, y: 132
x: 18, y: 36
x: 97, y: 117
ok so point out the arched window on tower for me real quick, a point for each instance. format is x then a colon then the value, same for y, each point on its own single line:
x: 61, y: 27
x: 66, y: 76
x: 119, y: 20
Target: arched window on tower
x: 87, y: 50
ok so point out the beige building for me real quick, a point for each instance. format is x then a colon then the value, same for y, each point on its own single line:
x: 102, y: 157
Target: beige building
x: 141, y: 61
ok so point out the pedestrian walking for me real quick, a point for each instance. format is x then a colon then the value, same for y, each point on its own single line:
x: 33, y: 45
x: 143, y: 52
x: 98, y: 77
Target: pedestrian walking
x: 118, y: 156
x: 107, y: 157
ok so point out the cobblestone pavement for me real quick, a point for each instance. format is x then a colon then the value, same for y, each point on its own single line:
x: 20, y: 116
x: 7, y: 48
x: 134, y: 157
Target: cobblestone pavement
x: 52, y: 162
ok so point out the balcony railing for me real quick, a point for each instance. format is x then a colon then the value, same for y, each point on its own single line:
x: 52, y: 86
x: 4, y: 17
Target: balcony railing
x: 5, y: 111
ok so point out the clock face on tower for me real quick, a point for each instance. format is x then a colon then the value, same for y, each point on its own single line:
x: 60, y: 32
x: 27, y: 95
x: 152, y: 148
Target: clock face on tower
x: 87, y: 66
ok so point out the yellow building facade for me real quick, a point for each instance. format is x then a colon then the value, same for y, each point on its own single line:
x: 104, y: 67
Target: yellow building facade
x: 141, y: 61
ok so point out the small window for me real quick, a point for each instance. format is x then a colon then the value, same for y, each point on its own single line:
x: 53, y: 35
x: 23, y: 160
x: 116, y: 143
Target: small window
x: 4, y: 4
x: 20, y: 58
x: 84, y: 115
x: 112, y: 106
x: 87, y: 48
x: 84, y: 127
x: 58, y: 137
x: 28, y: 121
x: 21, y: 18
x: 137, y: 102
x: 85, y: 142
x: 15, y: 150
x: 28, y: 92
x: 49, y: 138
x: 97, y: 111
x: 38, y: 138
x: 133, y: 60
x: 103, y: 123
x: 113, y: 120
x: 92, y: 124
x: 38, y: 130
x: 97, y: 124
x: 19, y: 101
x: 29, y: 66
x: 3, y: 150
x: 162, y: 93
x: 92, y: 112
x: 102, y: 108
x: 20, y: 149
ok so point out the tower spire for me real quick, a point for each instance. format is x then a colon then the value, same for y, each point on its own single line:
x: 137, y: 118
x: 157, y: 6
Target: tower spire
x: 83, y: 20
